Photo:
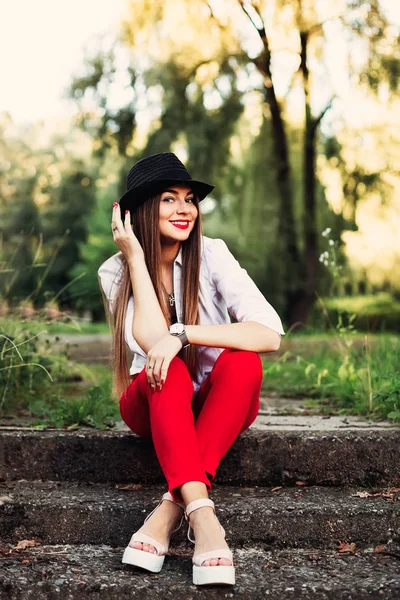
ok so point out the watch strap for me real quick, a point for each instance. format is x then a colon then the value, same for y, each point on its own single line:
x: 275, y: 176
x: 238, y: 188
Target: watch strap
x: 184, y: 339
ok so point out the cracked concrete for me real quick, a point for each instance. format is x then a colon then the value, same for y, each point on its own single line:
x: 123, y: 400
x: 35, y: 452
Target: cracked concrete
x: 84, y: 572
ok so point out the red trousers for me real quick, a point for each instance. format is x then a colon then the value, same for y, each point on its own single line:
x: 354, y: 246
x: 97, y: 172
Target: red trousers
x: 191, y: 438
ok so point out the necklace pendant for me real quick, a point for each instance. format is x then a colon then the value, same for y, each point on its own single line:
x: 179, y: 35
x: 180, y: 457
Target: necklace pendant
x: 171, y: 297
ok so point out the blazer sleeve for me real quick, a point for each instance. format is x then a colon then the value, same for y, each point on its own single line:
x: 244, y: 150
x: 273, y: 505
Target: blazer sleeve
x: 243, y: 299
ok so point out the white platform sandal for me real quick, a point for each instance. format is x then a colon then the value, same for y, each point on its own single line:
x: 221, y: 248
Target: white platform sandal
x: 148, y: 560
x: 203, y: 575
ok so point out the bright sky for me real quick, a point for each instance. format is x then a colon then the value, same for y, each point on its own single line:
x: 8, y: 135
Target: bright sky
x: 42, y: 45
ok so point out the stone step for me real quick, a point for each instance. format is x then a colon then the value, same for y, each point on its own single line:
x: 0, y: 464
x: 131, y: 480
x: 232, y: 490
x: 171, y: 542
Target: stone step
x: 260, y: 456
x: 88, y: 572
x: 308, y: 517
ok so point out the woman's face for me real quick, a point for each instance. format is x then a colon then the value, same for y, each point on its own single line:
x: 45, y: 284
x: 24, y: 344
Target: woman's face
x: 178, y: 213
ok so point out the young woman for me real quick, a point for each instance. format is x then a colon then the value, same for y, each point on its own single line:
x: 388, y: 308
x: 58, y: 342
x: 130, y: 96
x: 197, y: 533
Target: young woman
x: 196, y: 377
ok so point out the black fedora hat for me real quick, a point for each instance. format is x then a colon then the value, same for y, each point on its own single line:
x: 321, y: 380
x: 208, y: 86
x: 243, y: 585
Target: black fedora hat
x: 152, y: 173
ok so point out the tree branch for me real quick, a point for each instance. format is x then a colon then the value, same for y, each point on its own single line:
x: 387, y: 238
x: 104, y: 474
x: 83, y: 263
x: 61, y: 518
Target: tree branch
x: 193, y: 71
x: 260, y: 30
x: 318, y: 119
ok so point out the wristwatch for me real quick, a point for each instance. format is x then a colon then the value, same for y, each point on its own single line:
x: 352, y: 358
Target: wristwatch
x: 178, y: 329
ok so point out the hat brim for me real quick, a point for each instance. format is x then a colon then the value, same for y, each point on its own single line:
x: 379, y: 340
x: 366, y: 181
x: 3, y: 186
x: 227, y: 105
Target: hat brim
x: 133, y: 198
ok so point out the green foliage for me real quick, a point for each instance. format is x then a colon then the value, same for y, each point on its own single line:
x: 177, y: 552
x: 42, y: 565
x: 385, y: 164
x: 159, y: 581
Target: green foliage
x: 29, y: 268
x: 94, y: 409
x: 37, y: 379
x: 357, y: 180
x: 26, y: 365
x: 75, y: 326
x: 340, y: 375
x: 368, y: 20
x: 382, y: 302
x: 110, y: 126
x: 67, y: 214
x: 93, y: 252
x: 206, y: 132
x: 371, y: 312
x: 348, y: 373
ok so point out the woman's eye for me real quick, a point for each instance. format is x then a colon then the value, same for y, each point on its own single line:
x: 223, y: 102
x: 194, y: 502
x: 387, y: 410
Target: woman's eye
x: 167, y: 199
x: 190, y: 199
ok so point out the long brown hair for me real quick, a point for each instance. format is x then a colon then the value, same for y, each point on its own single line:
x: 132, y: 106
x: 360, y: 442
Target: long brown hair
x: 145, y: 224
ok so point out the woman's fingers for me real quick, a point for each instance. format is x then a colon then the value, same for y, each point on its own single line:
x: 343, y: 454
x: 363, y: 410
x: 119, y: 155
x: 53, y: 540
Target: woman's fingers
x: 157, y: 370
x: 116, y: 218
x: 127, y: 222
x: 123, y: 233
x: 150, y: 372
x: 159, y: 359
x: 154, y: 371
x: 164, y: 371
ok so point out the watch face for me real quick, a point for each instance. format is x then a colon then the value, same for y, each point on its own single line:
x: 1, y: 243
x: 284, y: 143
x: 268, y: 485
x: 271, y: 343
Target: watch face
x: 177, y: 328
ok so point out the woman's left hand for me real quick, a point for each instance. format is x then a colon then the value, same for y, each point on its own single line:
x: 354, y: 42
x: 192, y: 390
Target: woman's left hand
x: 159, y: 359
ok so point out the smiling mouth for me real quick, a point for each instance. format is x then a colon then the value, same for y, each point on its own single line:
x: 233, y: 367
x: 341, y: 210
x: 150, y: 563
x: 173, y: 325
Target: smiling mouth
x: 180, y: 224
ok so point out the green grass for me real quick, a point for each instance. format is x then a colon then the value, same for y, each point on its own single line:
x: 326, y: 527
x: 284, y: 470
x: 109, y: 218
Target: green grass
x: 342, y: 374
x: 382, y: 303
x: 75, y: 327
x: 44, y: 386
x: 91, y: 408
x: 372, y: 313
x: 337, y: 372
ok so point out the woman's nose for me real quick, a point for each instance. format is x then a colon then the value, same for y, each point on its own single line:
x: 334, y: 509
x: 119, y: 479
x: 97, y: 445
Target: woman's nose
x: 183, y: 207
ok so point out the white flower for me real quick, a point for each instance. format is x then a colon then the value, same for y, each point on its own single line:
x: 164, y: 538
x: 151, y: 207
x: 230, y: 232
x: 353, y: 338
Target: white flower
x: 331, y: 243
x: 326, y: 231
x: 324, y: 258
x: 326, y: 263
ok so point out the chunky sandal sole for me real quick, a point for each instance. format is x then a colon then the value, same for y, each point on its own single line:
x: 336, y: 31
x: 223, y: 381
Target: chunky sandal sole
x: 141, y: 558
x: 222, y: 574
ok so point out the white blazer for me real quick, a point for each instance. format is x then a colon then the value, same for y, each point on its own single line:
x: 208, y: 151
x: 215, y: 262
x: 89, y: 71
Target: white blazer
x: 225, y: 289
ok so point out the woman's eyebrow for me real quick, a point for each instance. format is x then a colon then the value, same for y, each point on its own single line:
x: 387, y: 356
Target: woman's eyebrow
x: 177, y: 192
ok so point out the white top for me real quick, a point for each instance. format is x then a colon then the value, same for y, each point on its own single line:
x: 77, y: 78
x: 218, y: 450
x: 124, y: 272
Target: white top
x: 225, y: 289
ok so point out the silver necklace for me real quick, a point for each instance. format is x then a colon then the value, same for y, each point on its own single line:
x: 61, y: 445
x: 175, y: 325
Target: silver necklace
x: 171, y: 298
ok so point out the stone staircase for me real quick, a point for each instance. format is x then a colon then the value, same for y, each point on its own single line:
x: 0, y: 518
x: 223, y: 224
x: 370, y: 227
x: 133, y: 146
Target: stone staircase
x: 311, y: 510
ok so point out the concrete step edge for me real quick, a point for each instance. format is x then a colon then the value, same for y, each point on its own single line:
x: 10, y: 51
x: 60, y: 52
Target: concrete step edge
x: 320, y: 517
x: 256, y: 458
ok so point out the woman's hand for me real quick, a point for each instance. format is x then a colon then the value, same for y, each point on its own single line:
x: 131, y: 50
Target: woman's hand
x: 159, y: 359
x: 123, y: 234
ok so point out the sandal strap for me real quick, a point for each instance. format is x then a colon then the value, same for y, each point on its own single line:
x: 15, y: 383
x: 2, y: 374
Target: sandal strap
x: 168, y: 496
x: 180, y: 524
x: 198, y: 504
x: 221, y: 553
x: 146, y: 539
x: 194, y: 506
x: 160, y: 547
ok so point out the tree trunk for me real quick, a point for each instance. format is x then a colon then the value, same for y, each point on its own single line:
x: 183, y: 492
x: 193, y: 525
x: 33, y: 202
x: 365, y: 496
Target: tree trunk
x: 288, y: 253
x: 306, y: 298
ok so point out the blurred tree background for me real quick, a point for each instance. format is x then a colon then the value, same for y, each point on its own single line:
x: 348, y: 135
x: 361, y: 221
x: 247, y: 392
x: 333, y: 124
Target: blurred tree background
x: 288, y: 107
